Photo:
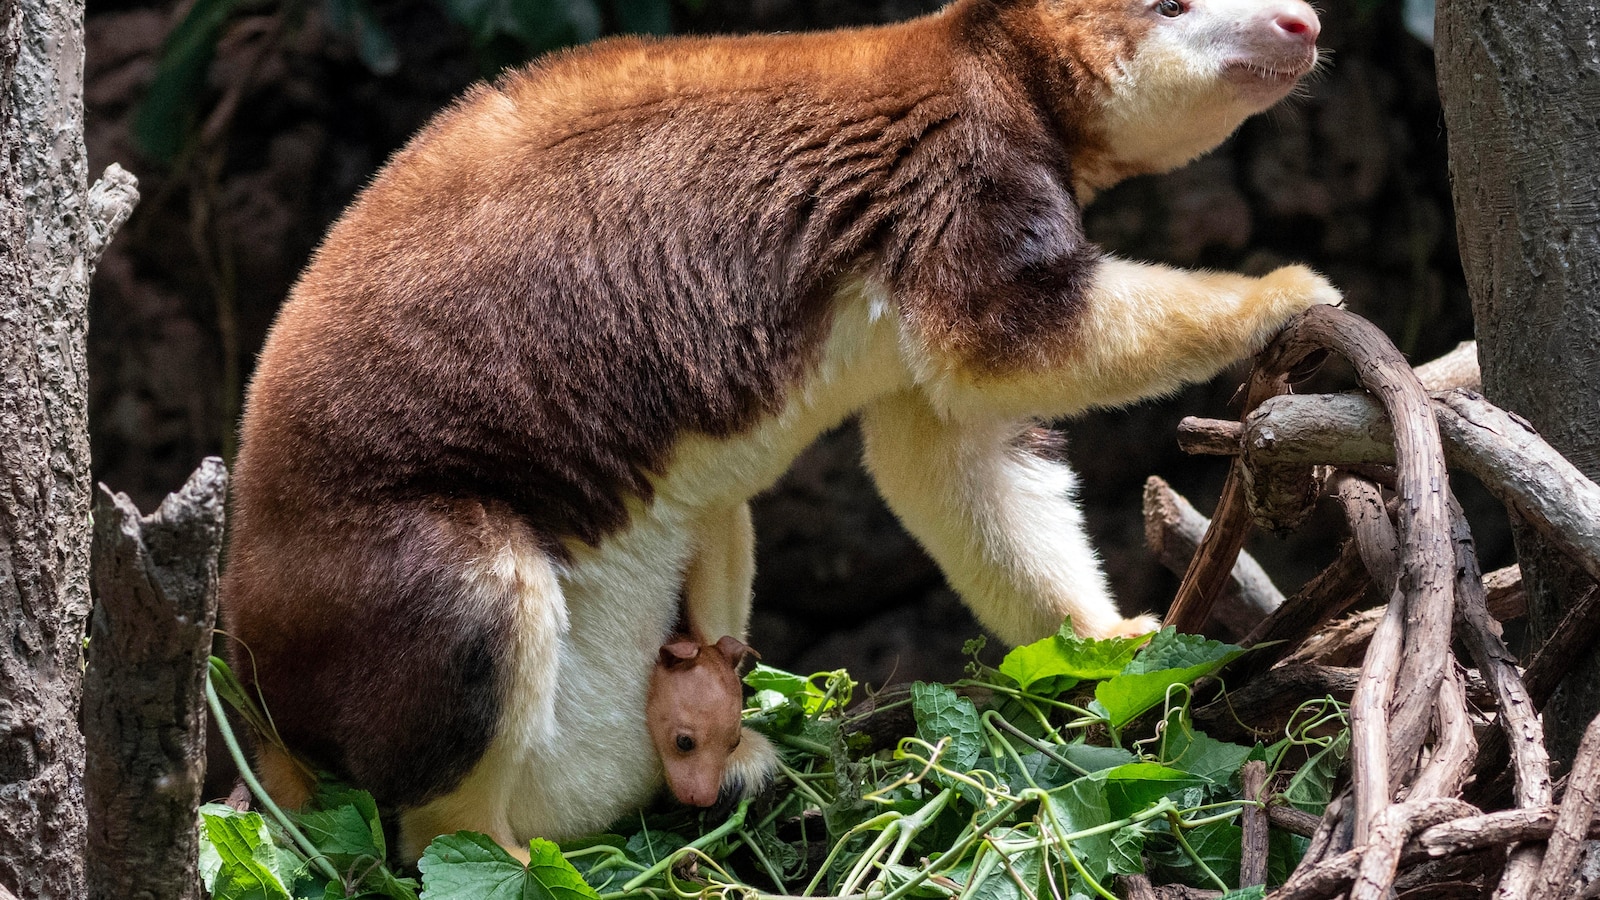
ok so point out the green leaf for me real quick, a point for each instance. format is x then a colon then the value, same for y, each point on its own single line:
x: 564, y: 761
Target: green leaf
x: 1127, y: 851
x: 249, y: 866
x: 332, y: 795
x: 1013, y: 876
x: 210, y: 857
x: 1311, y: 788
x: 1095, y: 759
x: 467, y: 866
x: 1187, y: 748
x: 1066, y: 656
x: 1220, y: 844
x: 1258, y: 892
x: 786, y: 684
x: 171, y: 104
x: 942, y: 713
x: 651, y: 847
x: 1284, y: 852
x: 341, y: 834
x: 1081, y: 806
x: 1169, y: 659
x: 1169, y: 649
x: 1132, y: 788
x: 766, y: 701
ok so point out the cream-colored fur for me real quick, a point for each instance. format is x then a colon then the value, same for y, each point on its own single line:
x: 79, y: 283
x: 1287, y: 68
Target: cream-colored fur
x: 1001, y: 522
x: 717, y: 585
x: 1146, y: 331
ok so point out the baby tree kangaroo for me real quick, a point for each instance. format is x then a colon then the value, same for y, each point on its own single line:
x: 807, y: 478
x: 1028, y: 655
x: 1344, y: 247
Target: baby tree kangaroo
x: 514, y: 408
x: 694, y: 708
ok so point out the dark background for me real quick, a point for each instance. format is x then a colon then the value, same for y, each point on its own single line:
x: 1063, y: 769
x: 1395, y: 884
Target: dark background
x: 1349, y: 176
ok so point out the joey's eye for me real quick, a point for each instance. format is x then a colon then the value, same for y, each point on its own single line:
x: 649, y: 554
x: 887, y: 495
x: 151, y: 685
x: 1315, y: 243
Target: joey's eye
x: 1170, y: 8
x: 685, y: 743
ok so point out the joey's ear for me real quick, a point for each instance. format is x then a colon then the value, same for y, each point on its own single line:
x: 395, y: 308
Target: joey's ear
x: 735, y: 650
x: 678, y: 653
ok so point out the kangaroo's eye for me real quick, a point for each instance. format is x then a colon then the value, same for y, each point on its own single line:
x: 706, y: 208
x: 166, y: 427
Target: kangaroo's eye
x: 1170, y: 8
x: 685, y: 743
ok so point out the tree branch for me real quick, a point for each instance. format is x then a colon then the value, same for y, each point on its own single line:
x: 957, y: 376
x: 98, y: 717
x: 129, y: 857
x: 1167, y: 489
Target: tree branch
x: 1494, y: 446
x: 111, y: 202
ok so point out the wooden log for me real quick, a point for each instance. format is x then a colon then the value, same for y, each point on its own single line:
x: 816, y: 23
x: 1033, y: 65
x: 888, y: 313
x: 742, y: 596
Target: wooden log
x: 1470, y: 834
x: 1342, y: 585
x: 155, y: 584
x: 1420, y: 477
x: 1271, y: 698
x: 1526, y: 474
x: 1136, y: 887
x: 1380, y: 858
x: 1456, y: 369
x: 1333, y: 876
x: 1340, y: 643
x: 1292, y: 820
x: 1370, y: 745
x: 1517, y: 716
x: 1455, y: 748
x: 1506, y: 598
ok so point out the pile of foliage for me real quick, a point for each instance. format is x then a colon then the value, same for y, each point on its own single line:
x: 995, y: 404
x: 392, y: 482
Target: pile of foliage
x: 1070, y: 763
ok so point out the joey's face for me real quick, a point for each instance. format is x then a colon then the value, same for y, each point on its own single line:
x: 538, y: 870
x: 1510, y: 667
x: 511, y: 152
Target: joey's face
x: 694, y: 718
x: 1185, y: 74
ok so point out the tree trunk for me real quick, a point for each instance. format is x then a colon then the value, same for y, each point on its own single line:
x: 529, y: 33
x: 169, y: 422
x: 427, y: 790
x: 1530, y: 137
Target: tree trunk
x: 51, y: 232
x: 144, y: 723
x: 1521, y: 89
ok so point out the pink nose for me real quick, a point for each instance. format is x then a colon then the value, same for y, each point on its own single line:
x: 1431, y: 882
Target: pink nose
x: 1297, y: 22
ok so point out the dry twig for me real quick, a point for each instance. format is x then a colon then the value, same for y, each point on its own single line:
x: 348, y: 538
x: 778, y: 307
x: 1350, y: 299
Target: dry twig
x: 1173, y: 529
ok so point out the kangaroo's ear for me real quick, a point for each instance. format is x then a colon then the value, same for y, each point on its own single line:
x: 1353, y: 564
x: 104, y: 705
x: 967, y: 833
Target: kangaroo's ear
x: 679, y: 653
x: 734, y: 650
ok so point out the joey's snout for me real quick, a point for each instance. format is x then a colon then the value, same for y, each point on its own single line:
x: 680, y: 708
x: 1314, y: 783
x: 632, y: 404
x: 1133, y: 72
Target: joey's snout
x: 695, y: 783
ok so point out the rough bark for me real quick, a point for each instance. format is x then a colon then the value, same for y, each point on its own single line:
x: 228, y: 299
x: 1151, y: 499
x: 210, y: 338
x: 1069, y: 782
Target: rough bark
x: 155, y: 585
x: 50, y: 234
x: 1520, y: 84
x: 1253, y: 851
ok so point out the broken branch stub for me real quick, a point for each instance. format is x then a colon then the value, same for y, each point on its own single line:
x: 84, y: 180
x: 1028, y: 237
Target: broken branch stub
x: 155, y: 586
x: 1173, y: 529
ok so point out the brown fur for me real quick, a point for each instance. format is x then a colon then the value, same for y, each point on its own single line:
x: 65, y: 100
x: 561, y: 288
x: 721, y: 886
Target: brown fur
x: 568, y: 271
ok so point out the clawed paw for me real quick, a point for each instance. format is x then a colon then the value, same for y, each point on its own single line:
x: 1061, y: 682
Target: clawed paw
x: 1294, y: 289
